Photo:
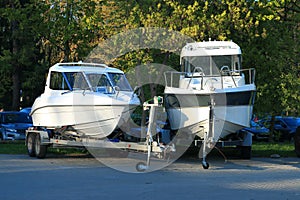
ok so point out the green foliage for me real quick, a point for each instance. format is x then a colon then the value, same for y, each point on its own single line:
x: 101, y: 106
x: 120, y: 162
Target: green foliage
x: 36, y: 34
x: 278, y: 61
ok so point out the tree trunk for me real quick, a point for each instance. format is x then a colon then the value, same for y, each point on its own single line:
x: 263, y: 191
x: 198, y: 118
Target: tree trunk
x: 15, y: 65
x: 67, y: 51
x: 272, y: 123
x: 16, y: 88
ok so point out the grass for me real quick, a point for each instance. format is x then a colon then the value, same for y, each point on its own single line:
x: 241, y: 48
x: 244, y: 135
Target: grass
x: 259, y: 149
x: 265, y: 149
x: 13, y: 147
x: 18, y: 147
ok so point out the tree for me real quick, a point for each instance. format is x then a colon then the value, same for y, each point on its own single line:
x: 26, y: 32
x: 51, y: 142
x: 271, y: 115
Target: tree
x: 17, y: 49
x: 36, y: 34
x: 278, y: 61
x: 69, y: 28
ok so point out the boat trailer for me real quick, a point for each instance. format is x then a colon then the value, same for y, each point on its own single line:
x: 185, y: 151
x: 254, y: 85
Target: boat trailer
x: 38, y: 140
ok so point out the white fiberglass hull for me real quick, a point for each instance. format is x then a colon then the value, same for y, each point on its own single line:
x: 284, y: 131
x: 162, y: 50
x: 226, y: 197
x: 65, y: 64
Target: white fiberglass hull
x: 193, y: 118
x: 90, y: 114
x: 191, y: 112
x: 196, y: 120
x: 231, y: 119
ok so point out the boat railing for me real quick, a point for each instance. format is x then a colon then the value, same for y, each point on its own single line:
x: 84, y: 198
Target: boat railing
x: 225, y: 71
x: 201, y: 74
x: 172, y: 78
x: 249, y: 75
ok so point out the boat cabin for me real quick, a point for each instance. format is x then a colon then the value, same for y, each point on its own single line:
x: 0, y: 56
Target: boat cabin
x: 86, y: 76
x: 210, y: 58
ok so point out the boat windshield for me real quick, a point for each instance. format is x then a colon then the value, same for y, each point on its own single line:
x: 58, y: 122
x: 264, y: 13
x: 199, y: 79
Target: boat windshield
x: 211, y: 65
x: 76, y: 80
x: 120, y: 80
x: 100, y: 83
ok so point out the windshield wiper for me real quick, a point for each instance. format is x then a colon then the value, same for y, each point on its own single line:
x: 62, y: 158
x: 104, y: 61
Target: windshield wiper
x: 66, y: 92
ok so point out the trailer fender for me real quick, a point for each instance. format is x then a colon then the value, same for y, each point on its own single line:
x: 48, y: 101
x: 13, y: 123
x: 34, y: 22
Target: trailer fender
x: 43, y: 135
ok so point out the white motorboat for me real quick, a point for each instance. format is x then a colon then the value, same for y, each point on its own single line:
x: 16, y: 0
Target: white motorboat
x: 211, y: 76
x: 90, y: 98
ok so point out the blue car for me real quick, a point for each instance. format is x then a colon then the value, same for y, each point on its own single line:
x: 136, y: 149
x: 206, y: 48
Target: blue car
x: 258, y: 131
x: 13, y: 125
x: 285, y: 126
x: 26, y: 110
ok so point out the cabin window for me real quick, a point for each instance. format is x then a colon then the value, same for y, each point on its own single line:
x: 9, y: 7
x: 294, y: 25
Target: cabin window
x: 104, y: 85
x: 211, y: 65
x: 120, y: 80
x: 100, y: 83
x: 57, y: 81
x: 76, y: 80
x: 219, y: 61
x: 94, y: 79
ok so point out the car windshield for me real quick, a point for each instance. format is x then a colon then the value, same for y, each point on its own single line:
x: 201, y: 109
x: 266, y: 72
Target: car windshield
x: 16, y: 118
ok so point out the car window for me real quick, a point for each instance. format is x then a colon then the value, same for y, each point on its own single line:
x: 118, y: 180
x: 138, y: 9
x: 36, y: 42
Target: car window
x: 16, y: 118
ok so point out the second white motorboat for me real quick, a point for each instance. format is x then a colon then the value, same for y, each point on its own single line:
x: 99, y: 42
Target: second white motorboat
x: 211, y: 75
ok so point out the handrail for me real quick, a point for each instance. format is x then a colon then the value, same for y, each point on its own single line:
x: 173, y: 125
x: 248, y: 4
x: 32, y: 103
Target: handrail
x: 171, y: 72
x: 249, y: 72
x: 202, y: 74
x: 226, y: 69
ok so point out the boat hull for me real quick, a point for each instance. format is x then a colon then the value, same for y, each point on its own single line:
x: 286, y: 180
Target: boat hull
x: 190, y: 111
x: 89, y: 114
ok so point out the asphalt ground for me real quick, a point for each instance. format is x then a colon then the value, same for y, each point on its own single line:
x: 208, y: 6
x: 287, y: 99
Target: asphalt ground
x: 83, y: 177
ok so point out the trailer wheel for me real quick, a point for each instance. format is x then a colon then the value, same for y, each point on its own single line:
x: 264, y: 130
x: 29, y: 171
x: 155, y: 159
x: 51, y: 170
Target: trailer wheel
x: 30, y: 141
x: 141, y: 167
x: 205, y: 165
x: 246, y: 152
x: 297, y: 141
x: 40, y: 150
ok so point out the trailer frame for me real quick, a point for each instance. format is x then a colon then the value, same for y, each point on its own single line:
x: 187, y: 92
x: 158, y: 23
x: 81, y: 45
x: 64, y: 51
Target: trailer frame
x: 38, y: 139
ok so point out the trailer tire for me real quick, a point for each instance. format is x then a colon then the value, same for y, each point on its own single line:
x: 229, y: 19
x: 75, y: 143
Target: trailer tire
x: 40, y: 150
x: 30, y: 144
x: 297, y: 142
x: 141, y: 167
x: 246, y: 152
